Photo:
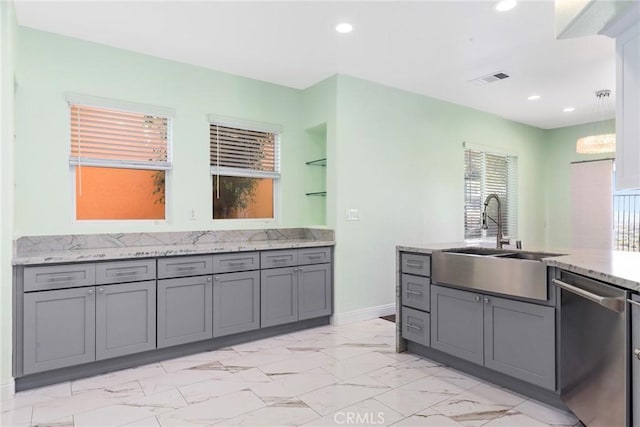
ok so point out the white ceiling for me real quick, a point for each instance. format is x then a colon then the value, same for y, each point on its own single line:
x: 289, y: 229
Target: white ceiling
x: 431, y: 48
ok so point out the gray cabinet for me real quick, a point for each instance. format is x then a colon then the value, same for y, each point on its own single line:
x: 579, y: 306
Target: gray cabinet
x: 635, y: 361
x: 416, y: 326
x: 125, y: 318
x: 236, y: 261
x: 49, y: 277
x: 135, y: 270
x: 457, y: 323
x: 512, y: 337
x: 184, y: 310
x: 520, y: 340
x: 415, y: 292
x: 59, y: 328
x: 236, y: 303
x: 417, y: 264
x: 314, y: 291
x: 278, y: 296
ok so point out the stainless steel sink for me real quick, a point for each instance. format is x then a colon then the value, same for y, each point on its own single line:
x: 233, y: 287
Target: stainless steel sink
x: 508, y: 272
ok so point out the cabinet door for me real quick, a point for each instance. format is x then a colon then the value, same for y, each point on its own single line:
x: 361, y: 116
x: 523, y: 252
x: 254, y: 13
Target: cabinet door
x: 456, y: 323
x: 415, y: 326
x: 628, y: 109
x: 125, y: 319
x: 314, y: 291
x: 635, y: 361
x: 236, y: 303
x: 184, y: 310
x: 278, y: 296
x: 520, y: 340
x: 59, y: 328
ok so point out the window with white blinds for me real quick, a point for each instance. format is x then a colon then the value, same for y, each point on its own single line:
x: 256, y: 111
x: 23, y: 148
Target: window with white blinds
x: 119, y: 139
x: 235, y: 151
x: 485, y: 174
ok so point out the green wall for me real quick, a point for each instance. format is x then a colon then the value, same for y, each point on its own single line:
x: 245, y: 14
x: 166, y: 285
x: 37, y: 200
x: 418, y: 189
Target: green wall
x: 560, y: 145
x: 7, y: 40
x: 400, y: 161
x: 50, y: 65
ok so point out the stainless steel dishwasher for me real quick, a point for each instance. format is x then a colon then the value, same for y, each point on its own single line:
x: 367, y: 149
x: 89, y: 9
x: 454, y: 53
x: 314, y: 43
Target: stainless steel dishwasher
x: 594, y: 349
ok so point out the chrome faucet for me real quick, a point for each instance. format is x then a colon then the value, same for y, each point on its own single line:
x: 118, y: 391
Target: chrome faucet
x: 500, y: 240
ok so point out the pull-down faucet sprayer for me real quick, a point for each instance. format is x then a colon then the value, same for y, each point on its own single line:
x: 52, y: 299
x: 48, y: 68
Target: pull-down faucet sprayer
x: 500, y: 240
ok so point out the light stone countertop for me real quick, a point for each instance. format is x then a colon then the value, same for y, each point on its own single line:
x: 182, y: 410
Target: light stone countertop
x: 101, y: 254
x: 616, y: 267
x: 30, y: 250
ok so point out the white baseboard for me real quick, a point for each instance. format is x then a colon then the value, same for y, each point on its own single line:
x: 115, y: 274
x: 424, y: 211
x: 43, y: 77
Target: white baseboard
x: 7, y: 390
x: 363, y: 314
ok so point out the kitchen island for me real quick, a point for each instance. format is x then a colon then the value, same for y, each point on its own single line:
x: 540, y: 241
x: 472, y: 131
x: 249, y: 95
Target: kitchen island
x: 533, y: 342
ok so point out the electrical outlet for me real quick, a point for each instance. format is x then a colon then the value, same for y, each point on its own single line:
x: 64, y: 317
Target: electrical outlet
x: 353, y: 215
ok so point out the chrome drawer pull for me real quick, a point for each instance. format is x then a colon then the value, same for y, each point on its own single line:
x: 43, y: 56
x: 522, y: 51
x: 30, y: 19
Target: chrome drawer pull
x: 613, y: 304
x: 59, y: 278
x: 125, y: 272
x: 636, y: 353
x: 186, y: 268
x: 315, y: 256
x: 416, y: 264
x: 410, y: 326
x: 236, y: 264
x: 414, y: 292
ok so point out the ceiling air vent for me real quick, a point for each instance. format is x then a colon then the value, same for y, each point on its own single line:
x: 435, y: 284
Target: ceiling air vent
x: 489, y: 78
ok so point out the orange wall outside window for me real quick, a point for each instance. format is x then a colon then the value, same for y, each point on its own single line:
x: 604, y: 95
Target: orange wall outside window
x: 111, y: 193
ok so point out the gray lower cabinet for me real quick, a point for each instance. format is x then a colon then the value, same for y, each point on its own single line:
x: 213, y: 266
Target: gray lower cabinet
x: 416, y: 326
x: 184, y: 310
x: 314, y: 291
x: 59, y: 328
x: 512, y: 337
x: 520, y: 340
x: 457, y: 323
x: 278, y: 296
x: 635, y: 362
x: 236, y: 303
x: 125, y: 319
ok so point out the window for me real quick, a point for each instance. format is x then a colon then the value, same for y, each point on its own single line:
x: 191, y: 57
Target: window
x: 486, y: 174
x: 245, y: 164
x: 120, y: 161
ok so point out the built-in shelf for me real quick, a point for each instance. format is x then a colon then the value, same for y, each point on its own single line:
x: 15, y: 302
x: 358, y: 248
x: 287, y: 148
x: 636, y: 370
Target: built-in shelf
x: 317, y: 193
x: 318, y: 162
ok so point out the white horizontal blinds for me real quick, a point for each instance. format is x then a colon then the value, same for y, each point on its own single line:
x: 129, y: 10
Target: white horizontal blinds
x: 473, y: 161
x: 243, y: 152
x: 121, y: 139
x: 486, y: 174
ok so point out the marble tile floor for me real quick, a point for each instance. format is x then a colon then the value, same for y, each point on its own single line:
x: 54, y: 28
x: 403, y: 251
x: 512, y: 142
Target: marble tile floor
x: 326, y: 376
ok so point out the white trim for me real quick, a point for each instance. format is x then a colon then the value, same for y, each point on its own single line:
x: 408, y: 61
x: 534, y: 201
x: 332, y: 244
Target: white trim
x: 116, y: 104
x: 237, y: 123
x: 488, y: 149
x: 119, y: 164
x: 248, y: 173
x: 363, y: 314
x: 7, y: 390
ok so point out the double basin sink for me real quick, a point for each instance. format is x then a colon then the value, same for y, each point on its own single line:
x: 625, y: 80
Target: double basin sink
x: 515, y: 273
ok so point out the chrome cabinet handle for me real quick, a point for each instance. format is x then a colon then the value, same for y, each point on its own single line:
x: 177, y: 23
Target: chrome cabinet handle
x: 301, y: 269
x: 410, y: 326
x: 613, y: 304
x: 217, y: 278
x: 101, y: 290
x: 486, y: 300
x: 414, y: 264
x: 236, y: 264
x: 636, y: 353
x: 478, y: 298
x: 91, y: 292
x: 209, y: 279
x: 413, y: 292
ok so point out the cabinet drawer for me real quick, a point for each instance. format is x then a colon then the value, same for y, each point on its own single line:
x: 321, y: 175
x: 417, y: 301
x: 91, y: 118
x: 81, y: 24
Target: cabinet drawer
x: 273, y: 259
x: 416, y: 264
x: 415, y: 291
x: 185, y: 266
x: 125, y: 271
x: 314, y: 256
x: 237, y: 261
x: 416, y: 326
x: 59, y: 276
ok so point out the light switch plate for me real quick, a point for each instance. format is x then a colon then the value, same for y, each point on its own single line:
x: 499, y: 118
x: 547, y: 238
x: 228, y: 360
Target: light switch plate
x: 353, y: 215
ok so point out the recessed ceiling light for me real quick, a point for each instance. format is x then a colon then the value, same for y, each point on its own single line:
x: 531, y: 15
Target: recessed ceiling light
x: 568, y: 110
x: 505, y: 5
x: 533, y: 97
x: 344, y: 28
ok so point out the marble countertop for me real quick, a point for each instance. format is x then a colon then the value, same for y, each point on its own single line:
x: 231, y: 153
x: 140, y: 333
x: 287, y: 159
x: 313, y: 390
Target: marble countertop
x: 49, y: 249
x: 615, y: 267
x: 98, y: 254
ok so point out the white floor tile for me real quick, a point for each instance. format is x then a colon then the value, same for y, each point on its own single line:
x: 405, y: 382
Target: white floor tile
x: 365, y: 413
x: 294, y: 384
x: 285, y: 413
x: 343, y: 394
x: 358, y: 365
x: 546, y: 413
